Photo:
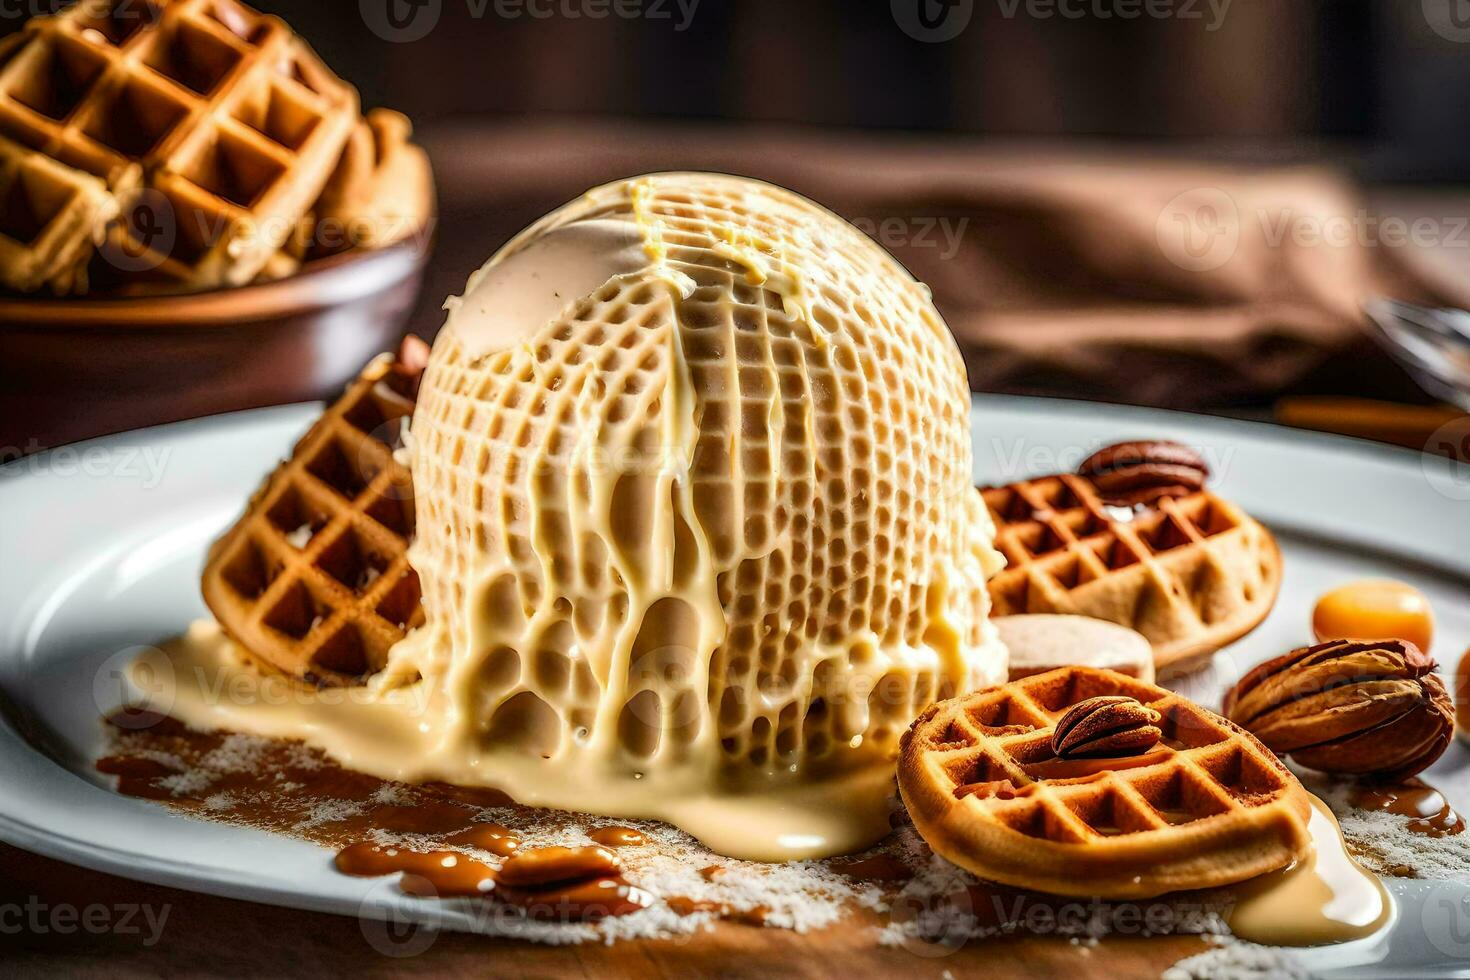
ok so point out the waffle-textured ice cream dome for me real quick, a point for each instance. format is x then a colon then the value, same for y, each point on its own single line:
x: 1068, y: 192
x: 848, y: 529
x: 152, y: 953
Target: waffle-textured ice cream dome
x: 695, y: 530
x: 695, y: 518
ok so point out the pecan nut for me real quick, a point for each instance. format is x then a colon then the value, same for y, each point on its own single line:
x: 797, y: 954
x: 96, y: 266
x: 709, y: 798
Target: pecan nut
x: 1142, y: 472
x: 1106, y: 727
x: 1348, y: 707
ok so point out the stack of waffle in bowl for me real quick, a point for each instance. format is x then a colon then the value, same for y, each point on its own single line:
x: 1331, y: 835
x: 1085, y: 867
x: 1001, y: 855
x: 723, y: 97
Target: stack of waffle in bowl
x: 181, y: 145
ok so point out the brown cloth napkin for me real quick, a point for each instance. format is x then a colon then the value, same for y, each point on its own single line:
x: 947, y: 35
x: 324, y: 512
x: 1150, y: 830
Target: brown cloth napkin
x: 1091, y: 274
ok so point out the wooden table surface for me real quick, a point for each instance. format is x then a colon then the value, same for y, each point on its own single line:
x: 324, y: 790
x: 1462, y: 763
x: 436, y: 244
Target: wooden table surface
x: 206, y: 936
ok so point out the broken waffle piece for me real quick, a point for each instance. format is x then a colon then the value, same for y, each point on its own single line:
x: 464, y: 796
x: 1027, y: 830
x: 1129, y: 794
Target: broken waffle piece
x: 314, y: 579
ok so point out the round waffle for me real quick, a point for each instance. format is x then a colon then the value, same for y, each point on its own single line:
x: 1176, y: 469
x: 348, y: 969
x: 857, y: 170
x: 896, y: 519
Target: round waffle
x: 1209, y: 806
x: 1192, y: 574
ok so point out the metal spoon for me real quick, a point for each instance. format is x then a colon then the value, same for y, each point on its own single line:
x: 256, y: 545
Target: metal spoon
x: 1433, y: 345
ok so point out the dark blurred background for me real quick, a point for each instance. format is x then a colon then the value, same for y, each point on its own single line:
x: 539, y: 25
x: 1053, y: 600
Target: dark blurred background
x: 1057, y: 170
x: 950, y: 109
x: 1373, y: 77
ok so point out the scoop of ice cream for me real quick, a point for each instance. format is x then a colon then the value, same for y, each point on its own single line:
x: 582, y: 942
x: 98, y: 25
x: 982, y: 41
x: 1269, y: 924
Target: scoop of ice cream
x: 695, y: 517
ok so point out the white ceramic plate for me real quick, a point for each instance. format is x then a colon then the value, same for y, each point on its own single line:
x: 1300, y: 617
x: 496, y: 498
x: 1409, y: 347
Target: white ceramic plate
x: 103, y: 544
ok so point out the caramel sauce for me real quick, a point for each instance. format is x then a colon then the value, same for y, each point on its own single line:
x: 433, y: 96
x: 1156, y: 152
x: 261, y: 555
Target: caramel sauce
x: 757, y: 916
x: 490, y: 837
x: 569, y: 884
x: 879, y: 868
x: 137, y: 776
x: 619, y: 837
x: 432, y: 874
x: 545, y: 866
x: 1079, y: 768
x: 560, y: 883
x: 578, y: 901
x: 683, y: 905
x: 1324, y: 898
x: 289, y: 789
x: 1431, y: 813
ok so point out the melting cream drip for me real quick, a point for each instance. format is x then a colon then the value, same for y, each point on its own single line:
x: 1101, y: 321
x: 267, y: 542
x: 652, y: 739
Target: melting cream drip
x: 1325, y: 898
x: 425, y: 716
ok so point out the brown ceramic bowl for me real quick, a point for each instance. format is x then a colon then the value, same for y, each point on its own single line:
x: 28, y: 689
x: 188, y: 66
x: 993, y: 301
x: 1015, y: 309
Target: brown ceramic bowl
x: 75, y: 368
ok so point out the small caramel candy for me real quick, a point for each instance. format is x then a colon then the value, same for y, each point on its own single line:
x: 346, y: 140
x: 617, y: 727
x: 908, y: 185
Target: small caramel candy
x: 1375, y: 609
x: 1462, y: 699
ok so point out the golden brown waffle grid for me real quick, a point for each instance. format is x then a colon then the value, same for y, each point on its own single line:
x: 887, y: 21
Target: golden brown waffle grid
x: 1210, y: 807
x: 1192, y: 574
x: 202, y: 108
x: 49, y: 217
x: 314, y: 579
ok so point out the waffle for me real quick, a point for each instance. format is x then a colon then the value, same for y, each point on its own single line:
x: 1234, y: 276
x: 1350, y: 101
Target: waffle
x: 313, y: 580
x: 49, y: 217
x: 1209, y: 806
x: 1192, y: 574
x: 382, y: 190
x: 214, y: 127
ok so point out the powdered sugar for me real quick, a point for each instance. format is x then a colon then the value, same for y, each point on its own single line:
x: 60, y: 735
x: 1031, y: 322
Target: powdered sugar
x: 945, y: 906
x: 288, y: 788
x: 1384, y: 843
x: 1232, y: 959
